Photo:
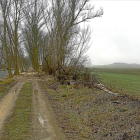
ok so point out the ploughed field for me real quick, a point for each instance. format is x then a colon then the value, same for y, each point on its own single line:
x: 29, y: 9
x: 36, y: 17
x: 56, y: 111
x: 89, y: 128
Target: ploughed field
x: 124, y: 81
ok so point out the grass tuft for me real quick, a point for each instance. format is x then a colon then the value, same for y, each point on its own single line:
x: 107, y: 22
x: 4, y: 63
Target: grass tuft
x: 5, y: 86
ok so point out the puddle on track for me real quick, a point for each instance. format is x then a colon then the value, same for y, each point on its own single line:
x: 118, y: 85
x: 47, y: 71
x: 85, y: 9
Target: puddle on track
x: 43, y: 129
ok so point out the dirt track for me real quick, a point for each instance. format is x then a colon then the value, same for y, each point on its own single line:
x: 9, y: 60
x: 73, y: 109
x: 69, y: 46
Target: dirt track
x: 44, y: 125
x: 7, y: 103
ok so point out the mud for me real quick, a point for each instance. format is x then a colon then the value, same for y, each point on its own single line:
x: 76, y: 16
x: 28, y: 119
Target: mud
x: 44, y: 124
x: 8, y: 102
x: 43, y: 127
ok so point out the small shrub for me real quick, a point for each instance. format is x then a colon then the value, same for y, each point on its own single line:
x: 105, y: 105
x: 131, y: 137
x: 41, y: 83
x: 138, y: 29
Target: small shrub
x: 64, y: 95
x: 123, y: 109
x: 89, y: 76
x: 113, y: 98
x: 2, y: 89
x: 5, y: 82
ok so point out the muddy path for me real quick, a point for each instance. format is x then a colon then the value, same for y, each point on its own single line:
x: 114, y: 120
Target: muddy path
x: 8, y: 102
x: 44, y: 124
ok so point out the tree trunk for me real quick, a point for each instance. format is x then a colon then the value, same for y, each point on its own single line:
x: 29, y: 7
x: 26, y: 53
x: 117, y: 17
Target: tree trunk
x: 16, y: 50
x: 6, y: 49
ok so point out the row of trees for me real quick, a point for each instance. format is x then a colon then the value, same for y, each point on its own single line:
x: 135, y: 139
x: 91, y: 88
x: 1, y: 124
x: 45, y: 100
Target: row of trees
x: 10, y: 34
x: 50, y: 33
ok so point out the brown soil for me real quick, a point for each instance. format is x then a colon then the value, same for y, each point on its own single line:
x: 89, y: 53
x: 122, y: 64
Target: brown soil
x: 44, y: 125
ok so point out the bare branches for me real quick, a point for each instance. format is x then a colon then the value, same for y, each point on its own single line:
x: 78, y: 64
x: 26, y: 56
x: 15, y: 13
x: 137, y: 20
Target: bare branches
x: 68, y: 41
x: 48, y: 28
x: 32, y: 32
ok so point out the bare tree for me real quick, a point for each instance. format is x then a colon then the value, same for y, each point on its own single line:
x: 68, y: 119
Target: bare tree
x: 5, y: 8
x: 32, y: 33
x: 51, y: 33
x: 2, y: 57
x: 12, y: 16
x: 68, y: 40
x: 14, y: 20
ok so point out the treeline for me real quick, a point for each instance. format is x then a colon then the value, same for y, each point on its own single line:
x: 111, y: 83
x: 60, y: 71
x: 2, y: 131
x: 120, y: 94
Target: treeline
x: 49, y: 33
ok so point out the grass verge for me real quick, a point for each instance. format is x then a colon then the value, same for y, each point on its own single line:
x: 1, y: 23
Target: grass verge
x: 18, y: 124
x: 88, y: 114
x: 5, y: 85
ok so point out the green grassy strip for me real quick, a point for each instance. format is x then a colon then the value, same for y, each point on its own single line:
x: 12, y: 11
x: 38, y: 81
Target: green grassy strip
x: 135, y: 71
x: 18, y: 125
x: 123, y: 83
x: 5, y: 82
x: 4, y: 86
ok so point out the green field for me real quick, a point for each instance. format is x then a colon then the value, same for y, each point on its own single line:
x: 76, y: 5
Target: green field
x: 125, y: 81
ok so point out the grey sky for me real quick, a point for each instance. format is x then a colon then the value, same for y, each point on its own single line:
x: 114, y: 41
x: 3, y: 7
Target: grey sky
x: 116, y: 36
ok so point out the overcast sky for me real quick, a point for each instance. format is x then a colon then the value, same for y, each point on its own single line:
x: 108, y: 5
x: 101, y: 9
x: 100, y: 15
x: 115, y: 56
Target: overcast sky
x: 116, y: 35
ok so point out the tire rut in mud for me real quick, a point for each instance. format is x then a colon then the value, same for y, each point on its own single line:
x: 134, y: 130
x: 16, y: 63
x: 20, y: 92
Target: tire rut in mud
x: 41, y: 122
x: 7, y: 104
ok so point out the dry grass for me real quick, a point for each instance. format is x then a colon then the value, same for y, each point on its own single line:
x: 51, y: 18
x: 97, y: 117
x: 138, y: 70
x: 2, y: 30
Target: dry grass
x: 91, y: 114
x: 5, y: 85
